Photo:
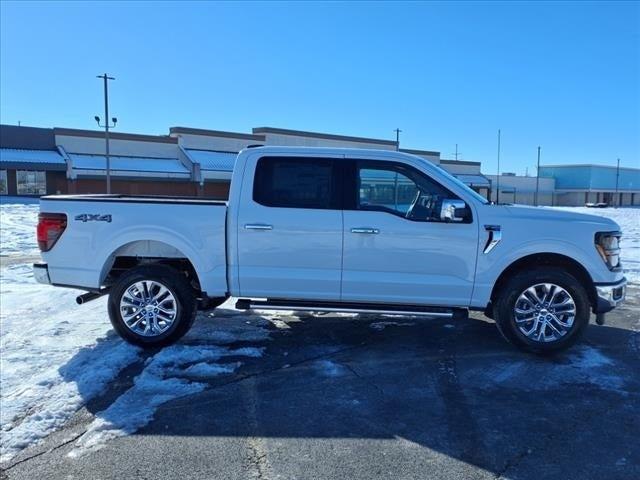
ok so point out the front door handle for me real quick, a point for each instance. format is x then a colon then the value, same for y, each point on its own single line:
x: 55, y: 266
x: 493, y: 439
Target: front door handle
x: 258, y: 226
x: 370, y: 231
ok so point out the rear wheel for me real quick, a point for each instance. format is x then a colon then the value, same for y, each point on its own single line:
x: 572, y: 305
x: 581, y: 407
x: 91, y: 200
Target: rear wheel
x: 544, y: 310
x: 152, y: 306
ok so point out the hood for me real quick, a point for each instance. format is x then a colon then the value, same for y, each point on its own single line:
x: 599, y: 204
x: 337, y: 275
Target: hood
x: 547, y: 214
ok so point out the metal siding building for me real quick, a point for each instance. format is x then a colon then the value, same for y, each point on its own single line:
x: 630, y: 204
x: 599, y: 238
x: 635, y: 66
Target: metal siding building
x: 587, y: 183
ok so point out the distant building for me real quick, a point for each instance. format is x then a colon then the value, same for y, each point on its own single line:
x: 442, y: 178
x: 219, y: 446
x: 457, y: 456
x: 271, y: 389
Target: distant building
x: 521, y: 189
x: 187, y: 162
x: 581, y: 184
x: 199, y: 162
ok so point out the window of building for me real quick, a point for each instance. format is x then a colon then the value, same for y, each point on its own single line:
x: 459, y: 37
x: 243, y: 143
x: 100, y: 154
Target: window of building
x: 296, y: 183
x: 31, y: 183
x: 4, y: 188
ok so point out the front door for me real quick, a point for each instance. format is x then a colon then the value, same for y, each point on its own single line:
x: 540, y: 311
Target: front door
x: 396, y: 248
x: 290, y: 229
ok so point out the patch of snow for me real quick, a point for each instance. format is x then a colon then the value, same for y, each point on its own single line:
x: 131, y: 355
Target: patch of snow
x: 56, y: 356
x: 168, y: 375
x: 329, y: 368
x: 18, y: 229
x: 582, y: 365
x: 379, y: 326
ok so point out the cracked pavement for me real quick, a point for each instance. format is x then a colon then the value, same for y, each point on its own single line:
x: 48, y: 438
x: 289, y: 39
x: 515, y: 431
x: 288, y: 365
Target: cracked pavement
x: 334, y: 398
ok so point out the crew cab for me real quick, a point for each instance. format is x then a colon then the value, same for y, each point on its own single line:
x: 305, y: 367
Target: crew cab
x: 329, y: 229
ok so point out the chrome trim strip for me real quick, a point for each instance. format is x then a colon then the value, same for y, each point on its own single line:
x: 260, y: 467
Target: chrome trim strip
x: 350, y: 310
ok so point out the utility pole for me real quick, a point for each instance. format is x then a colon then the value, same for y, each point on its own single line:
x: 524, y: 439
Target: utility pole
x: 456, y: 154
x: 107, y: 126
x: 397, y: 130
x: 617, y: 180
x: 498, y: 176
x: 537, y: 179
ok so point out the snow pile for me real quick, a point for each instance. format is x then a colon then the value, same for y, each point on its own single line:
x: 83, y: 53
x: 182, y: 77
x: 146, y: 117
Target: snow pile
x: 629, y: 220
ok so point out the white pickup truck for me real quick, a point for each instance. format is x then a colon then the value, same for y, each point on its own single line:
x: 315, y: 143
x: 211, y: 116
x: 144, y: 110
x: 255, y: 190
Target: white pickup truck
x: 329, y: 229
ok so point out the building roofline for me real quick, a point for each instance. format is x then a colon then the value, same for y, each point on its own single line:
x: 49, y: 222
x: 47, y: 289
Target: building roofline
x: 419, y: 152
x: 326, y: 136
x: 215, y: 133
x: 117, y: 155
x: 458, y: 162
x: 13, y: 165
x: 569, y: 165
x: 73, y: 132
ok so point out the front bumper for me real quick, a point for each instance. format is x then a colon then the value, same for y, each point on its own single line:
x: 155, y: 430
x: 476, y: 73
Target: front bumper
x: 609, y: 296
x: 41, y: 273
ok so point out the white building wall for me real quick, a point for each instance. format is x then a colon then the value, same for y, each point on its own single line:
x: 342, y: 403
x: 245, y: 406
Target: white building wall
x: 222, y: 144
x: 301, y: 141
x: 461, y: 168
x: 521, y: 190
x: 132, y: 148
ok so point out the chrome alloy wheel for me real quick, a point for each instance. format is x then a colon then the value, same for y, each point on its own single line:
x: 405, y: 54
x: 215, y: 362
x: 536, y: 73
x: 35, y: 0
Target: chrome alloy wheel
x: 545, y: 312
x: 148, y: 308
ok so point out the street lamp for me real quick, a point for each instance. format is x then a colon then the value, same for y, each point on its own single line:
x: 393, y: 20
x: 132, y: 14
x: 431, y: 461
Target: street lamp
x: 106, y: 126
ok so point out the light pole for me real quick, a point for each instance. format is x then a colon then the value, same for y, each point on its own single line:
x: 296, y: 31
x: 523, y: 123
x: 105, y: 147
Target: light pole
x: 397, y: 130
x: 498, y: 176
x: 106, y: 126
x: 617, y: 180
x: 537, y: 179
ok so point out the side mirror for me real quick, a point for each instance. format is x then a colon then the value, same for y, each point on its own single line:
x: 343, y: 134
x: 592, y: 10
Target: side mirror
x: 453, y: 210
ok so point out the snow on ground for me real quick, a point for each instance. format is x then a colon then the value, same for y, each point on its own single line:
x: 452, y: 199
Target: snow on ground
x: 18, y: 229
x: 57, y: 356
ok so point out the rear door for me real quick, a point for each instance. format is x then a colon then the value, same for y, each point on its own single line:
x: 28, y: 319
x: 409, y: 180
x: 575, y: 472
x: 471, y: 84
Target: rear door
x: 290, y: 228
x: 396, y: 249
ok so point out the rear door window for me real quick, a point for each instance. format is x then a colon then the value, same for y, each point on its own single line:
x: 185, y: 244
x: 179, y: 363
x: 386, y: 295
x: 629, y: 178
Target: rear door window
x: 297, y: 182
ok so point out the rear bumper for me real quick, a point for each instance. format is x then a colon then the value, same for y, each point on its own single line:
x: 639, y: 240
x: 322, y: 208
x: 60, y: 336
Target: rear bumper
x: 609, y: 296
x: 41, y: 273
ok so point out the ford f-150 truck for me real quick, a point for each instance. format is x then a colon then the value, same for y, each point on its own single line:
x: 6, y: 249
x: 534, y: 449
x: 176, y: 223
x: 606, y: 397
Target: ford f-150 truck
x: 329, y: 229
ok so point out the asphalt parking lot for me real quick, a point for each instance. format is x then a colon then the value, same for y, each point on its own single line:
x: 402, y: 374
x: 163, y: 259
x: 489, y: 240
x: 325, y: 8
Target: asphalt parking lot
x: 368, y: 397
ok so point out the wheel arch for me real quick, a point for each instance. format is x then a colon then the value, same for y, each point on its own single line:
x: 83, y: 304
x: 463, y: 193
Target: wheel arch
x: 535, y: 260
x: 145, y: 252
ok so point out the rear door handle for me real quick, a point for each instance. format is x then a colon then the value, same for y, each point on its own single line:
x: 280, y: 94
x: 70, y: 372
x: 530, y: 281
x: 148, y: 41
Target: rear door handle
x: 258, y: 226
x: 370, y: 231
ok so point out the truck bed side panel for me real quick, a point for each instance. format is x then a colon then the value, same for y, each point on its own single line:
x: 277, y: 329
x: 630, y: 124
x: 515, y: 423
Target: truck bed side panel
x: 98, y: 230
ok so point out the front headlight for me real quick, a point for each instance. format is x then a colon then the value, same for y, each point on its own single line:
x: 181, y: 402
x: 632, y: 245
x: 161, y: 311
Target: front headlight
x: 608, y: 246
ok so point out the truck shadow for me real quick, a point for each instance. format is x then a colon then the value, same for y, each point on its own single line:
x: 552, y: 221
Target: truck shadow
x: 453, y: 389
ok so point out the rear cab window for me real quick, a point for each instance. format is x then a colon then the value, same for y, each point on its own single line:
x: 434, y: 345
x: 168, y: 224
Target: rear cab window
x: 297, y: 182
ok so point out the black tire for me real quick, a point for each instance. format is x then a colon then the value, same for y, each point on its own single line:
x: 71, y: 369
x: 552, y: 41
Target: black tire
x: 505, y: 304
x: 178, y: 286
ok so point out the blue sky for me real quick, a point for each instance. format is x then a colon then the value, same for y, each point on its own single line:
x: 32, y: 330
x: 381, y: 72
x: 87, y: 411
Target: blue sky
x: 565, y: 76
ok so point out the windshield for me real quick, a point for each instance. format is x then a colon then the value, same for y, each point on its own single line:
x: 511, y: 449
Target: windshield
x: 466, y: 187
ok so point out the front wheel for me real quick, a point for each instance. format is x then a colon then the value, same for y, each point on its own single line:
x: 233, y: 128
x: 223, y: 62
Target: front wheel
x: 543, y: 311
x: 152, y: 306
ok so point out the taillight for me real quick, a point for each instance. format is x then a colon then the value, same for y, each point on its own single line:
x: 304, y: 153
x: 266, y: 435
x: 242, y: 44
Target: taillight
x: 50, y: 228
